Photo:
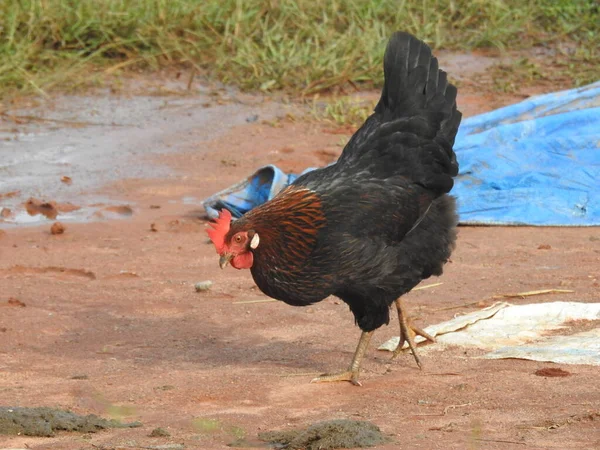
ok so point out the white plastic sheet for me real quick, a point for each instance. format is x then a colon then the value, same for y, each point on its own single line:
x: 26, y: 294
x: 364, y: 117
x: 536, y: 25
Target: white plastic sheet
x: 539, y: 332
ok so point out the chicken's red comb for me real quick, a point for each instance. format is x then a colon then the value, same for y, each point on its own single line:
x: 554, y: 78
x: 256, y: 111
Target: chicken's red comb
x: 220, y: 228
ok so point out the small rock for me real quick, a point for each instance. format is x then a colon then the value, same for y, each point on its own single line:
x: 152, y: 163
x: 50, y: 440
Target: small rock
x: 35, y: 206
x: 203, y: 285
x: 16, y: 302
x: 5, y: 213
x: 67, y: 180
x: 128, y: 274
x: 159, y: 432
x: 251, y: 119
x: 57, y: 228
x: 544, y: 247
x: 153, y: 227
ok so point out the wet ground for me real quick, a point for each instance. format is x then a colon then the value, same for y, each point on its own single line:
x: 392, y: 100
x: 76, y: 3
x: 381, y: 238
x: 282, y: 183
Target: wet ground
x: 67, y: 148
x: 104, y: 318
x: 64, y: 149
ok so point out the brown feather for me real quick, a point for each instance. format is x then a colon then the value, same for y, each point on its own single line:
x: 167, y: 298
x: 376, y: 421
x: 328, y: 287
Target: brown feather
x: 289, y: 224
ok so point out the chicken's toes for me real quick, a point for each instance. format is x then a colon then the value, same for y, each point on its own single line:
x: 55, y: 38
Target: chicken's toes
x: 348, y: 375
x: 422, y: 333
x: 407, y: 334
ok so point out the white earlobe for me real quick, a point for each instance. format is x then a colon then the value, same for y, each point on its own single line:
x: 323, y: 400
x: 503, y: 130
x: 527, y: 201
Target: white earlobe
x: 255, y: 241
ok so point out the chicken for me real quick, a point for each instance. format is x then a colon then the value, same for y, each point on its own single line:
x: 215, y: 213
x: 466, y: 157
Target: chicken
x: 370, y: 227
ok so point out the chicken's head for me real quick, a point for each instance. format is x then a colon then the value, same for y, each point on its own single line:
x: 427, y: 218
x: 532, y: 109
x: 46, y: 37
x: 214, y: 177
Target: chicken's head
x: 233, y: 245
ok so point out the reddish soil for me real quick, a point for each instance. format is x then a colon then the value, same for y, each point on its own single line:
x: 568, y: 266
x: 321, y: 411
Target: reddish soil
x: 112, y: 325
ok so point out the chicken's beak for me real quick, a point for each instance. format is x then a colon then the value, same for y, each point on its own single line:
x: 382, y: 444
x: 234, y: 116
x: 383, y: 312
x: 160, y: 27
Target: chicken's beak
x: 224, y: 260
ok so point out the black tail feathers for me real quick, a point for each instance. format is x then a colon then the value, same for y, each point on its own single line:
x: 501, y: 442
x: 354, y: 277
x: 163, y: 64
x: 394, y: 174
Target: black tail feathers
x: 415, y: 86
x: 412, y: 131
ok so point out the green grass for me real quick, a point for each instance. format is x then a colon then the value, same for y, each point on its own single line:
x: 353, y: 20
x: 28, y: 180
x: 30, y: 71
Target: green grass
x: 342, y: 111
x: 576, y: 68
x: 304, y: 46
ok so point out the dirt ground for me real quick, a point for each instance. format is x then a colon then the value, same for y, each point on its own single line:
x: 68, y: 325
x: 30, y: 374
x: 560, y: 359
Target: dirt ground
x: 104, y: 319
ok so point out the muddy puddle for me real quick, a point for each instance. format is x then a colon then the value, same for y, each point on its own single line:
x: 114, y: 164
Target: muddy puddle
x: 64, y: 149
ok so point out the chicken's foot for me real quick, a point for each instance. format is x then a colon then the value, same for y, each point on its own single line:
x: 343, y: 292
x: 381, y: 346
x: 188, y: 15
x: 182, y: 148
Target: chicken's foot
x: 408, y: 333
x: 353, y: 371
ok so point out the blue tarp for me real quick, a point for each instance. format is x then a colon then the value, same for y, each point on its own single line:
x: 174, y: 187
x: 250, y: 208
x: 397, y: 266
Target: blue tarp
x: 533, y: 163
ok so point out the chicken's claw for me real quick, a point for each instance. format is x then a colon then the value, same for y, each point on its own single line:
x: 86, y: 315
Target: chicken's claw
x: 353, y: 371
x: 347, y: 375
x: 408, y: 333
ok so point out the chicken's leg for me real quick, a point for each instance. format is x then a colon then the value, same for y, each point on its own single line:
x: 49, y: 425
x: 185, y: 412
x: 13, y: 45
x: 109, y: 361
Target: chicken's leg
x: 353, y: 371
x: 408, y: 332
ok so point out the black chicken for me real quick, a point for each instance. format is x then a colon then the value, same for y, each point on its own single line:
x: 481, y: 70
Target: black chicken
x: 370, y: 227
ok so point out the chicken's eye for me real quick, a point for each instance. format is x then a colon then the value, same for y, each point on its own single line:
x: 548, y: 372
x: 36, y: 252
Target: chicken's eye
x: 238, y: 238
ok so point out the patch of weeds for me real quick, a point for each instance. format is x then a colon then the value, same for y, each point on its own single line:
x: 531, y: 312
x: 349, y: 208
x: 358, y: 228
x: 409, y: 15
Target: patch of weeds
x: 303, y: 46
x: 159, y: 432
x: 342, y: 111
x: 510, y: 78
x: 580, y: 66
x: 47, y: 421
x: 327, y: 435
x: 116, y: 412
x: 564, y: 68
x: 206, y: 425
